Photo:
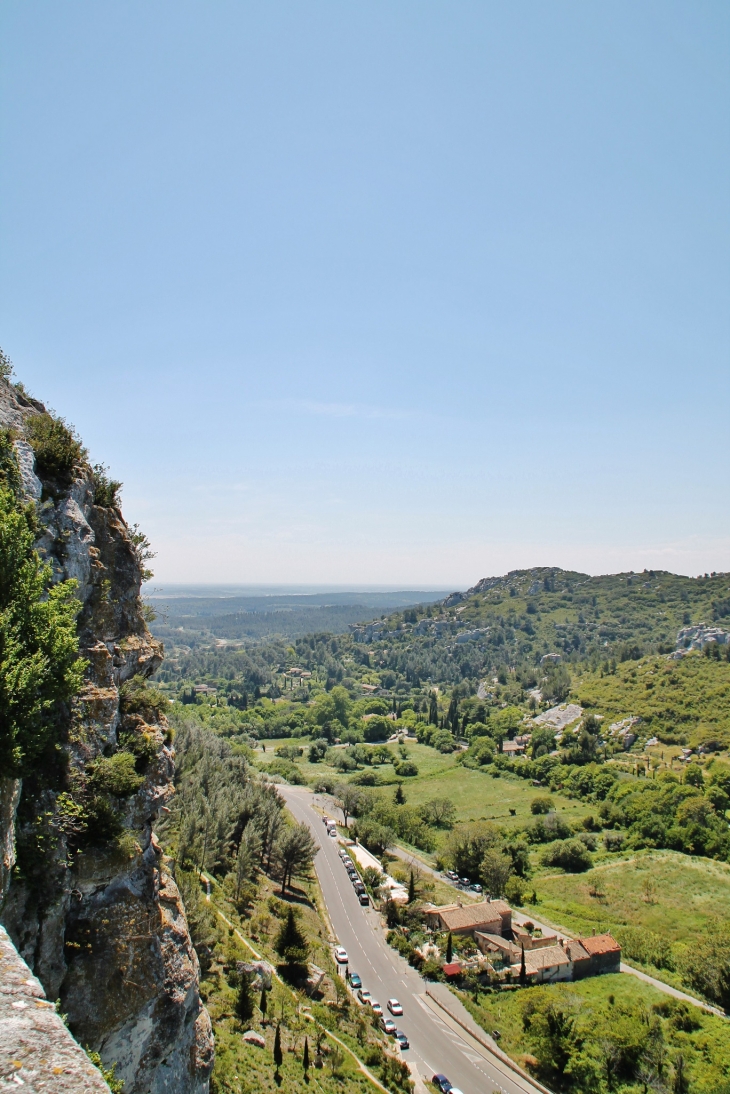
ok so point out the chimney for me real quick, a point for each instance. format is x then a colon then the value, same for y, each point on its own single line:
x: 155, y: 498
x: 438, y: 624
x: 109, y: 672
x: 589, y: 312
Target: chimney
x: 594, y: 932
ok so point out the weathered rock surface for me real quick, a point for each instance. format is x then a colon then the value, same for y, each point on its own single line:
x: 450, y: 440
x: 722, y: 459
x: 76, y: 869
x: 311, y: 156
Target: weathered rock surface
x: 102, y: 925
x: 37, y: 1052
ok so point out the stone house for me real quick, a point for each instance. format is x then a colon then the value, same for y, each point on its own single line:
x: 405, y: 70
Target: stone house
x: 490, y: 916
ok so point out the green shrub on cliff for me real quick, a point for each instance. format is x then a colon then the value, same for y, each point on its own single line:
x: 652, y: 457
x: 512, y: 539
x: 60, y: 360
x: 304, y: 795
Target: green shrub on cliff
x: 57, y: 449
x: 40, y: 669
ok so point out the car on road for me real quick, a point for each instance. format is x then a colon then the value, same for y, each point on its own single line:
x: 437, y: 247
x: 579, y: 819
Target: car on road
x: 475, y: 888
x: 388, y: 1025
x: 341, y: 955
x: 364, y: 996
x: 442, y: 1083
x: 394, y: 1006
x: 465, y: 881
x: 451, y: 875
x: 364, y: 899
x: 359, y: 887
x: 376, y: 1007
x: 401, y: 1039
x: 355, y: 981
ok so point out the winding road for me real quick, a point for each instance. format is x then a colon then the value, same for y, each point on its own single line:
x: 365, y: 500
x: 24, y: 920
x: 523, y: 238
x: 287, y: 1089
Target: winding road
x: 438, y: 1043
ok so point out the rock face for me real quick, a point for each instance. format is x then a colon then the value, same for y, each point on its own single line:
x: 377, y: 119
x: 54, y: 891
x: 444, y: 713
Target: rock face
x: 102, y: 924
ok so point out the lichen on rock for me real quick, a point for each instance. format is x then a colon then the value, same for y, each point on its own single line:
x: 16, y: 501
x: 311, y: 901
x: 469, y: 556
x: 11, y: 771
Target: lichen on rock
x: 91, y: 906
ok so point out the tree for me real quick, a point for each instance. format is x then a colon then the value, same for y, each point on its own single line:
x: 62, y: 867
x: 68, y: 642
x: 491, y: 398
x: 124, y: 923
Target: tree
x: 467, y: 844
x: 433, y: 710
x: 291, y: 943
x: 347, y: 798
x: 439, y: 812
x: 570, y: 854
x: 305, y: 1058
x: 40, y: 670
x: 452, y: 717
x: 399, y: 797
x: 278, y: 1055
x: 295, y: 853
x: 680, y: 1084
x: 523, y: 967
x: 244, y: 1002
x: 449, y: 948
x: 248, y: 850
x: 411, y: 888
x: 495, y: 871
x: 263, y: 1003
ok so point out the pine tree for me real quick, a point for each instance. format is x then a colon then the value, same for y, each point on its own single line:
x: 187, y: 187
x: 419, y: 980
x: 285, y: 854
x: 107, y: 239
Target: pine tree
x: 399, y: 797
x: 305, y: 1061
x: 411, y: 888
x: 433, y: 711
x: 263, y: 1004
x: 291, y: 943
x: 449, y: 949
x: 278, y: 1055
x: 523, y: 968
x: 244, y: 1002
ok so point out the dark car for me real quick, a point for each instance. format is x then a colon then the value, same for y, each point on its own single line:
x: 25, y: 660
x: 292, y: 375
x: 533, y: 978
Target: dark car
x: 401, y: 1038
x: 441, y: 1083
x: 355, y: 980
x: 364, y: 898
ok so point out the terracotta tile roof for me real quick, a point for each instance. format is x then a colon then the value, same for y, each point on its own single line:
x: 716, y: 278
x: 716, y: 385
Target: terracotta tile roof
x: 473, y: 915
x: 545, y: 958
x: 600, y: 943
x: 575, y: 951
x: 452, y: 969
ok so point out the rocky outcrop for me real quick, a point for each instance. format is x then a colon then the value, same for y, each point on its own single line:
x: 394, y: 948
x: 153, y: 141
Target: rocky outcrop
x: 37, y: 1052
x: 98, y: 918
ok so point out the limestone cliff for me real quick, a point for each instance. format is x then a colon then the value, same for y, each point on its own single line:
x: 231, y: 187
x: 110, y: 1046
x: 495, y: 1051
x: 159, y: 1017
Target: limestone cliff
x: 93, y: 910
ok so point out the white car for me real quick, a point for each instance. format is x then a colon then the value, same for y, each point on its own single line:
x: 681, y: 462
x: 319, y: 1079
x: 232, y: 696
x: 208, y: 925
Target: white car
x: 376, y: 1007
x: 341, y: 955
x: 394, y: 1006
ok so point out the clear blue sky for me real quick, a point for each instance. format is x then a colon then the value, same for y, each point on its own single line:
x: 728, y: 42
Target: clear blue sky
x: 396, y: 291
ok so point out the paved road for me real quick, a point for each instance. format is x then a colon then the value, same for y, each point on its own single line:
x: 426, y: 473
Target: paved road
x: 437, y: 1044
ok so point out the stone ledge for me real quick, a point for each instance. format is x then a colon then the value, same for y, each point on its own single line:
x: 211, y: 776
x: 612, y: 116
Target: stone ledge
x: 37, y: 1051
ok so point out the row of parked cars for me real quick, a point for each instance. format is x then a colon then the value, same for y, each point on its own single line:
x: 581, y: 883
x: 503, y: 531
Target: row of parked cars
x: 355, y: 878
x: 462, y: 882
x: 365, y: 997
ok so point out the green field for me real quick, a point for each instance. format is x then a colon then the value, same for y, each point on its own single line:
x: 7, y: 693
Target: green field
x: 607, y: 1026
x: 665, y: 892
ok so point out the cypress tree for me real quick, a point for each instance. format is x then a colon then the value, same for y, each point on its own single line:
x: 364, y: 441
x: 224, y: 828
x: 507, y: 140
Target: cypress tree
x: 399, y: 797
x: 263, y: 1004
x: 278, y: 1055
x: 411, y: 888
x: 523, y: 968
x: 244, y: 1002
x: 305, y: 1061
x: 449, y: 949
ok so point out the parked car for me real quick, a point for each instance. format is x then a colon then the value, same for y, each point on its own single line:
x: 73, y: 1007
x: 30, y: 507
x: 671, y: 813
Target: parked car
x: 394, y: 1006
x: 476, y: 888
x: 364, y: 996
x: 401, y: 1039
x: 359, y: 886
x: 388, y: 1025
x: 341, y: 955
x: 355, y: 981
x: 364, y: 899
x: 441, y: 1083
x: 452, y: 875
x: 465, y: 881
x: 376, y: 1007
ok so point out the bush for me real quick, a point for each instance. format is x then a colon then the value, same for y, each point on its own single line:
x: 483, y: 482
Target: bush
x: 542, y: 804
x: 56, y: 447
x: 106, y: 490
x: 116, y: 775
x: 515, y: 889
x: 571, y: 855
x: 137, y: 697
x: 614, y: 841
x: 549, y: 827
x: 406, y: 769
